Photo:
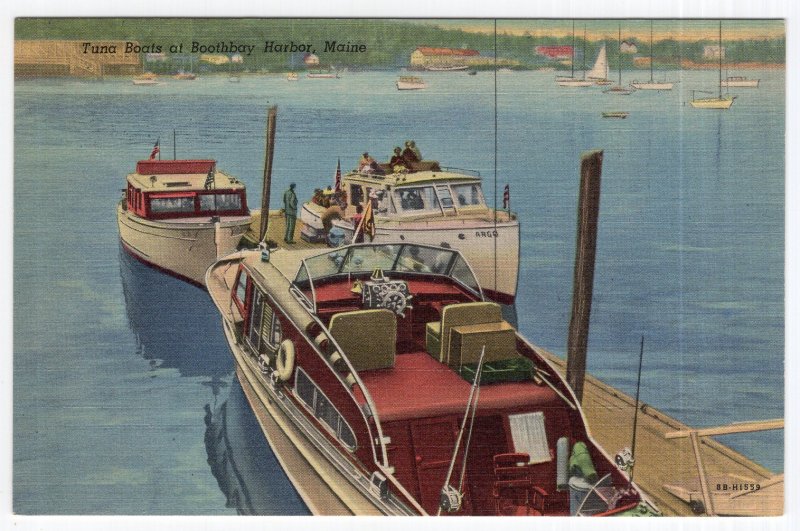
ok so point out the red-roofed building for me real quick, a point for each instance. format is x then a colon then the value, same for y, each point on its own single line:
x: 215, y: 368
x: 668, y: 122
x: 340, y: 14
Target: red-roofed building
x: 426, y: 56
x: 556, y: 53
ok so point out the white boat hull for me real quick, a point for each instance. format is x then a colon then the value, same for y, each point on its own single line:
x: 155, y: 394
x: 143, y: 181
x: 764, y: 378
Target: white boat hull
x: 145, y: 82
x: 652, y: 85
x: 404, y: 85
x: 574, y: 83
x: 474, y: 238
x: 182, y: 248
x: 741, y: 83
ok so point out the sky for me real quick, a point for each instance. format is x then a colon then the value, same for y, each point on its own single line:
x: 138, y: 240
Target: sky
x: 688, y: 30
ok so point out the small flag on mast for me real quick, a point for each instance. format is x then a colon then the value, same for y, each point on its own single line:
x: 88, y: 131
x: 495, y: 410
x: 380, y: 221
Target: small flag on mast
x: 506, y: 197
x: 337, y: 180
x: 156, y: 150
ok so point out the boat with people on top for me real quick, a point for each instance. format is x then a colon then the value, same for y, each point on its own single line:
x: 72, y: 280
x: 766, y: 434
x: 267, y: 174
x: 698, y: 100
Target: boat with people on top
x: 415, y: 200
x: 386, y: 383
x: 181, y: 216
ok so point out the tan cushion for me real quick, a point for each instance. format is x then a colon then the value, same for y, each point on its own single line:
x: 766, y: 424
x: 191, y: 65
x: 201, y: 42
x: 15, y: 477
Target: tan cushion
x: 468, y: 313
x: 368, y: 337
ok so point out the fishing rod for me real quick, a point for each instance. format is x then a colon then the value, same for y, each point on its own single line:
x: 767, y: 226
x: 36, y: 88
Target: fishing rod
x: 636, y: 412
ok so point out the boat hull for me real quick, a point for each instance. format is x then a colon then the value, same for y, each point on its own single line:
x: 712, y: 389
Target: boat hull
x: 184, y: 249
x: 474, y: 238
x: 651, y: 86
x: 404, y: 85
x: 745, y: 83
x: 574, y: 83
x: 324, y: 488
x: 712, y: 103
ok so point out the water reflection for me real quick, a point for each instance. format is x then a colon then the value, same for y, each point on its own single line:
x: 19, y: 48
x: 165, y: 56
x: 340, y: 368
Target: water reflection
x: 175, y: 323
x: 176, y: 326
x: 246, y: 470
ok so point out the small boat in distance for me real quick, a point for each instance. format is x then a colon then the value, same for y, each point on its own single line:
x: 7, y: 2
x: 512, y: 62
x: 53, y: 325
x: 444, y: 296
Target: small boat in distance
x: 292, y: 76
x: 739, y: 82
x: 618, y: 89
x: 446, y: 68
x: 651, y: 85
x: 386, y: 384
x: 410, y: 83
x: 180, y: 216
x: 616, y: 114
x: 148, y: 78
x: 572, y: 81
x: 472, y: 73
x: 599, y: 72
x: 719, y: 102
x: 322, y: 74
x: 234, y: 79
x: 185, y: 76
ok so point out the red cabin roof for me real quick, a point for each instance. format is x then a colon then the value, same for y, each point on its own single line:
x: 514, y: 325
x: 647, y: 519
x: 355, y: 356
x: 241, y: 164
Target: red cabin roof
x: 173, y: 167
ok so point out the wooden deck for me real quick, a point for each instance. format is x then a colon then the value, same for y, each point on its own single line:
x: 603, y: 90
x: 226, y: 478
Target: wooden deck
x: 275, y: 232
x: 659, y: 461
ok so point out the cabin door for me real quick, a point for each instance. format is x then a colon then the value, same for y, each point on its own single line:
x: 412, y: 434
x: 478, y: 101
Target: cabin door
x: 434, y: 441
x: 445, y: 199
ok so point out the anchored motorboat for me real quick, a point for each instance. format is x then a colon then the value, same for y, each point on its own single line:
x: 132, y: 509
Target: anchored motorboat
x: 385, y: 383
x: 181, y: 216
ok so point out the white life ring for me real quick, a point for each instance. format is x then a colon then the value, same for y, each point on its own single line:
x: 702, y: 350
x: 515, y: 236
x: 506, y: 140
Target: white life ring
x: 285, y: 360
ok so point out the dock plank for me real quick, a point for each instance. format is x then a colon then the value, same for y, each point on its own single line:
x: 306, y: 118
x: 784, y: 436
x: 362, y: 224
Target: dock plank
x: 659, y: 461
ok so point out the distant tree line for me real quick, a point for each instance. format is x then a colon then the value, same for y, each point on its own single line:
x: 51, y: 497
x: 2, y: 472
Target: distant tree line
x: 389, y: 42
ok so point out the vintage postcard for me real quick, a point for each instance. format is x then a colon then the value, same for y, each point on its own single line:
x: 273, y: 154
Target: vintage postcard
x: 453, y: 267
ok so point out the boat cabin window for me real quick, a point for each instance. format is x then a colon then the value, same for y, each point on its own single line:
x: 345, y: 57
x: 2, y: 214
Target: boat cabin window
x: 256, y: 317
x: 160, y: 204
x: 356, y: 194
x: 445, y: 197
x: 315, y: 400
x: 417, y: 199
x: 220, y: 202
x: 382, y: 202
x: 424, y: 259
x: 468, y: 195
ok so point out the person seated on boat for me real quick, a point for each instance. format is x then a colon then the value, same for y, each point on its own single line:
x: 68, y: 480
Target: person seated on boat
x: 410, y: 154
x: 327, y: 195
x: 411, y: 200
x: 397, y: 163
x: 317, y: 197
x: 369, y: 165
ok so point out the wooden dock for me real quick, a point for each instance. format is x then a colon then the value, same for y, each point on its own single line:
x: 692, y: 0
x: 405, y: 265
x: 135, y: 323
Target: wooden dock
x: 659, y: 461
x: 609, y: 412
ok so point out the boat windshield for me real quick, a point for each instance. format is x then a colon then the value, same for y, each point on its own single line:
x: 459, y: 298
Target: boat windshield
x: 400, y: 257
x: 417, y: 200
x: 468, y: 195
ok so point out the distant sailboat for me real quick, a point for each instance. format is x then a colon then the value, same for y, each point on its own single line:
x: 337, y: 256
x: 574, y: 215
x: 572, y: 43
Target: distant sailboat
x: 599, y: 72
x: 652, y: 85
x: 618, y: 89
x: 719, y: 102
x: 572, y: 81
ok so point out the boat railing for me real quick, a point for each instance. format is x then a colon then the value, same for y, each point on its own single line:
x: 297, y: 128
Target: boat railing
x: 466, y: 171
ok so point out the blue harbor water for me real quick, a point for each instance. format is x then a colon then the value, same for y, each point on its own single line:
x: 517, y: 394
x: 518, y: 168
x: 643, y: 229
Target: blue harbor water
x: 125, y: 399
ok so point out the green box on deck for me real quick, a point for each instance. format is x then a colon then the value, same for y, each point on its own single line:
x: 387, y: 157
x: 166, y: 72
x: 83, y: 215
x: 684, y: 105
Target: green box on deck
x: 517, y: 369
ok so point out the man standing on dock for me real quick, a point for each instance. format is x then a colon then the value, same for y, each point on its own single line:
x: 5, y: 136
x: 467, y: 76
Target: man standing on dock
x: 290, y: 209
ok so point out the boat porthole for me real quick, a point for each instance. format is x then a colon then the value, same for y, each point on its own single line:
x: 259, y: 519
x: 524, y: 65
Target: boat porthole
x: 285, y: 360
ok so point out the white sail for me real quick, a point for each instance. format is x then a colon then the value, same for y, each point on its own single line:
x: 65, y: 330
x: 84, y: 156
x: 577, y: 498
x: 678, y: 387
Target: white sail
x: 600, y: 68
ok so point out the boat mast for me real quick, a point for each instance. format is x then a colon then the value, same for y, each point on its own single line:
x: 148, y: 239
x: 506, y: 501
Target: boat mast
x: 572, y: 63
x: 584, y: 51
x: 619, y: 53
x: 720, y: 59
x: 651, y: 51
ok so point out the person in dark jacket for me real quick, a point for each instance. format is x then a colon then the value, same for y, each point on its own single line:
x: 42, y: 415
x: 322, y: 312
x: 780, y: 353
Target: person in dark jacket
x: 290, y: 210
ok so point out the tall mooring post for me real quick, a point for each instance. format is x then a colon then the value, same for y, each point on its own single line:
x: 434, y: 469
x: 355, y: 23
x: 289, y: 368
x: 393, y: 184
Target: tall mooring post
x: 269, y: 150
x: 583, y: 279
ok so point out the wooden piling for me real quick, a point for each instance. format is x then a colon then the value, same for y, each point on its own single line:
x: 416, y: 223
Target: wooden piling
x: 269, y: 150
x: 583, y: 279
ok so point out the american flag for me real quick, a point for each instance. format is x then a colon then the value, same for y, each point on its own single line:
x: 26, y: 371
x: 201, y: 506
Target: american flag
x: 506, y: 197
x: 337, y: 179
x: 156, y: 150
